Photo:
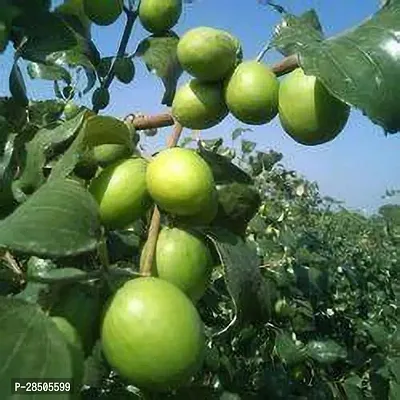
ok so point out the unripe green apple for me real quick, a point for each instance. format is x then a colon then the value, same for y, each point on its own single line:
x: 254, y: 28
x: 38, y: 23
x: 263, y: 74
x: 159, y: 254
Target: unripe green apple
x: 208, y: 54
x: 180, y: 181
x: 183, y: 259
x: 159, y: 16
x: 152, y: 334
x: 308, y: 112
x: 103, y: 12
x: 121, y: 192
x: 199, y: 105
x: 251, y: 93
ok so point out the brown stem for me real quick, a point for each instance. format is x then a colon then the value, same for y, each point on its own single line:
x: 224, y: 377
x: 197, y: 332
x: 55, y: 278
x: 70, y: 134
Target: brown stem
x: 154, y: 229
x: 151, y: 121
x: 288, y: 64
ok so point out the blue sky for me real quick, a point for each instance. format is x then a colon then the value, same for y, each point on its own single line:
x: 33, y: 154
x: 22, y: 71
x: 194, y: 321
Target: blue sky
x: 357, y: 167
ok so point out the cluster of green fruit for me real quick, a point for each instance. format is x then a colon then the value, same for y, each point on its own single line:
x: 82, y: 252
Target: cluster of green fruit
x: 152, y: 333
x: 222, y: 83
x: 156, y: 16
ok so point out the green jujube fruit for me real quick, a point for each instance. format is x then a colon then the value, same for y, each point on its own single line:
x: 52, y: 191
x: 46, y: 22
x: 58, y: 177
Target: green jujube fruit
x: 152, y: 334
x: 121, y: 192
x: 208, y: 54
x: 309, y: 114
x: 183, y: 259
x: 180, y: 181
x: 199, y: 105
x: 251, y: 93
x: 103, y: 12
x: 159, y: 16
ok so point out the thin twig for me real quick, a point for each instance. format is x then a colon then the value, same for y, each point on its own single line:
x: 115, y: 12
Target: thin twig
x: 130, y: 21
x: 155, y: 223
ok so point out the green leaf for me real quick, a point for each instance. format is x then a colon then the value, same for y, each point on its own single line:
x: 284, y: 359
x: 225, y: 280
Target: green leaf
x: 124, y: 69
x: 394, y: 366
x: 39, y: 150
x: 47, y: 33
x: 238, y: 132
x: 45, y: 113
x: 248, y: 146
x: 223, y: 169
x: 31, y: 346
x: 17, y: 85
x: 59, y: 219
x: 104, y: 66
x: 159, y: 55
x: 244, y: 280
x: 394, y: 390
x: 55, y: 44
x: 48, y: 72
x: 100, y: 98
x: 288, y: 351
x: 8, y: 166
x: 96, y: 368
x: 34, y: 292
x: 379, y: 335
x: 96, y: 130
x: 353, y: 388
x: 327, y: 352
x: 237, y: 205
x: 80, y: 304
x: 285, y: 36
x: 359, y: 66
x: 264, y: 162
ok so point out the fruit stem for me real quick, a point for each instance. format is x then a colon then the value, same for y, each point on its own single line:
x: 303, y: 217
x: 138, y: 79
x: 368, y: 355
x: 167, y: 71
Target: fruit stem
x: 130, y: 21
x: 155, y: 223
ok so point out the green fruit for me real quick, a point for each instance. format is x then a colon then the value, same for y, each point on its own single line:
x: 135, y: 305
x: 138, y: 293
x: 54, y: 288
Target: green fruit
x: 180, y: 181
x: 208, y: 54
x: 71, y: 110
x: 199, y: 105
x: 308, y: 112
x: 159, y: 16
x: 73, y: 340
x: 205, y: 216
x: 152, y: 334
x: 107, y: 154
x: 251, y: 93
x: 103, y: 12
x: 183, y: 259
x: 121, y: 192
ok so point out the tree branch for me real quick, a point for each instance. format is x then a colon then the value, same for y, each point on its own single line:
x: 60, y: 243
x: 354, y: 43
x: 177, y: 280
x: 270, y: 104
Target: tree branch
x: 154, y: 229
x: 288, y: 64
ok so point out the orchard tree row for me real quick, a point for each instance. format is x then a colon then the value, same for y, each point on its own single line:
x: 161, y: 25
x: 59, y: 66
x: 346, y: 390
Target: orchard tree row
x: 200, y: 271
